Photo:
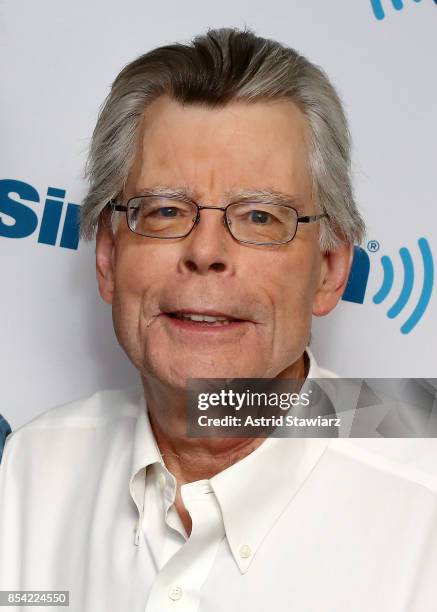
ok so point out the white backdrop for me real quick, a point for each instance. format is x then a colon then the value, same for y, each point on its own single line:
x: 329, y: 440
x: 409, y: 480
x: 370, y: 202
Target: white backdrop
x: 57, y: 61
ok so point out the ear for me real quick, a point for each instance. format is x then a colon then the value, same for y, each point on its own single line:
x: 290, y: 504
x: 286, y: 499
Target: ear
x: 105, y: 259
x: 334, y: 274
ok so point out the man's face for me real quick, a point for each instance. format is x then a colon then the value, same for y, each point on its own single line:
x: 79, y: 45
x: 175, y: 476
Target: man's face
x: 270, y: 290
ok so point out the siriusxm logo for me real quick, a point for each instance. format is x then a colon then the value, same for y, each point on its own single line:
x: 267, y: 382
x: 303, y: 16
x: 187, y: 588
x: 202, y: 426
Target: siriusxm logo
x: 359, y: 275
x: 19, y: 220
x: 378, y: 9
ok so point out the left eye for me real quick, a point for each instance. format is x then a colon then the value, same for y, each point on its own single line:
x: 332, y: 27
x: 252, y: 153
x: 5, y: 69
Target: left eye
x: 260, y: 216
x: 167, y: 211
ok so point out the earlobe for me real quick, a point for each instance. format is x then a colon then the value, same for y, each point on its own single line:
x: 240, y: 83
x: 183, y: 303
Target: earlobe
x: 335, y: 270
x: 105, y: 260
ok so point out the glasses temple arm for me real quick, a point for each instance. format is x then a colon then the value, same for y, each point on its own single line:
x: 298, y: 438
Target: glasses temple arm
x: 311, y: 218
x: 118, y: 207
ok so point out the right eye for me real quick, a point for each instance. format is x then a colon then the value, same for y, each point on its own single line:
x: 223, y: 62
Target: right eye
x: 167, y: 212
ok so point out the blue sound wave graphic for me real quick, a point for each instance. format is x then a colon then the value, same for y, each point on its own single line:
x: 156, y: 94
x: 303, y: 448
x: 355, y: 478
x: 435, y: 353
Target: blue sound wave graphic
x: 378, y: 9
x: 408, y: 283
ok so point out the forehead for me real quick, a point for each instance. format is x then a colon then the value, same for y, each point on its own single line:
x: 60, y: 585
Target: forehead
x: 260, y: 145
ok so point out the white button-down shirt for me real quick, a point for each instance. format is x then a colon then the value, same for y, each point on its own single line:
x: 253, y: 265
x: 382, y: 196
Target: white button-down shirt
x: 302, y: 524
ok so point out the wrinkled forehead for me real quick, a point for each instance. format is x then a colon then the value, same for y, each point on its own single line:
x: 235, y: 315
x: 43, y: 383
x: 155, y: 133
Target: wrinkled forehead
x: 214, y: 151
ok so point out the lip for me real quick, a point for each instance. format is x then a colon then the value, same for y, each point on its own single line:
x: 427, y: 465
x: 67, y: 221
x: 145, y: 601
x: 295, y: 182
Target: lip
x: 205, y: 311
x: 203, y: 328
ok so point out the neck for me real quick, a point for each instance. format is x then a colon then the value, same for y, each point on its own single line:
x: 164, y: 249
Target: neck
x: 191, y: 459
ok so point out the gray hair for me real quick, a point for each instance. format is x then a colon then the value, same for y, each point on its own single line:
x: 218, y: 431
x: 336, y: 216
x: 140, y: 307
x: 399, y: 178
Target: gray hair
x: 216, y: 68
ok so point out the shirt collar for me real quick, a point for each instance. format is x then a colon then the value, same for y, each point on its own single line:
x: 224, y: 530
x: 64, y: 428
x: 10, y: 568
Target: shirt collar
x: 252, y: 493
x: 145, y: 452
x: 255, y: 491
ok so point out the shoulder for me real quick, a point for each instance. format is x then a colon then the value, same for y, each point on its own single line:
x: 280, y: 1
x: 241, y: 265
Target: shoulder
x: 411, y: 462
x: 80, y: 426
x: 94, y: 411
x: 404, y: 462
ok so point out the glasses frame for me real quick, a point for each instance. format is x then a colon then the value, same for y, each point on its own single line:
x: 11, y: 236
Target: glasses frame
x: 113, y: 206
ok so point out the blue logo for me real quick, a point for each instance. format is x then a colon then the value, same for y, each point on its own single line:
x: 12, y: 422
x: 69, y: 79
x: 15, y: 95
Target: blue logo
x: 19, y: 220
x: 378, y: 9
x: 357, y: 282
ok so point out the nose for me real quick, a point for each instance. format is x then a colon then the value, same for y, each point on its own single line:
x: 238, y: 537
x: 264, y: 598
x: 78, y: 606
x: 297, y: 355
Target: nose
x: 209, y: 247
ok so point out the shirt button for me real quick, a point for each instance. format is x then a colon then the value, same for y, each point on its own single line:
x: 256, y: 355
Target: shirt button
x: 245, y: 551
x: 175, y: 593
x: 161, y: 481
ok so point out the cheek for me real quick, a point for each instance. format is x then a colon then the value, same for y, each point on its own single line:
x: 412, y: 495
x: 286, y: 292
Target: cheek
x: 296, y: 277
x: 138, y: 283
x: 130, y: 282
x: 139, y: 266
x: 138, y: 279
x: 292, y: 295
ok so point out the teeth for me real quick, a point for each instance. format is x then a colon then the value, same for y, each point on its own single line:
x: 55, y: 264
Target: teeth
x: 200, y: 318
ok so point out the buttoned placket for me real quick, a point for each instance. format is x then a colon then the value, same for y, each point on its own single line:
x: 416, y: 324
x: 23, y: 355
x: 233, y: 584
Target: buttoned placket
x: 180, y: 580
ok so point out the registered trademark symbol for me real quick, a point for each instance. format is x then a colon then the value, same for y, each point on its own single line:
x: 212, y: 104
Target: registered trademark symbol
x: 373, y: 246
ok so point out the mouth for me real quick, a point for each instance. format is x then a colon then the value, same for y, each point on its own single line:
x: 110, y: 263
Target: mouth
x: 203, y: 320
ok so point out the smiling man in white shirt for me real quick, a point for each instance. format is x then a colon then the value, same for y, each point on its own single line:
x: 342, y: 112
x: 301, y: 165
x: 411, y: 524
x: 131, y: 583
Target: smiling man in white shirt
x: 220, y: 190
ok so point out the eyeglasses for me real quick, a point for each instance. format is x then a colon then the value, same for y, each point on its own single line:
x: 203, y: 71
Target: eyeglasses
x: 249, y: 222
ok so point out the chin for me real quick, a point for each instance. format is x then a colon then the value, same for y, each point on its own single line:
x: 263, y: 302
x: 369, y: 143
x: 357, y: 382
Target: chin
x: 178, y: 378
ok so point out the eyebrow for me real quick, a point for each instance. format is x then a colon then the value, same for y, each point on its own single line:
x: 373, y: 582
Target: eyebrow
x: 247, y: 195
x: 268, y: 196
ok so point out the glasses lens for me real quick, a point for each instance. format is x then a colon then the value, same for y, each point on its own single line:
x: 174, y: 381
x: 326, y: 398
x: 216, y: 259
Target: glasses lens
x: 262, y: 223
x: 160, y: 217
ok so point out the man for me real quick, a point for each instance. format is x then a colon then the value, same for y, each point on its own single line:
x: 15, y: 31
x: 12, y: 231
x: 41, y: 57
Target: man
x: 220, y: 190
x: 5, y: 430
